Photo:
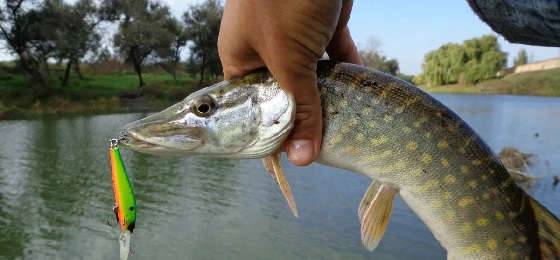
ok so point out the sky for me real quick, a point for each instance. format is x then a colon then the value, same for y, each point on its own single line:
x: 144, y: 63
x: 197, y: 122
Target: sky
x: 411, y: 28
x: 408, y: 30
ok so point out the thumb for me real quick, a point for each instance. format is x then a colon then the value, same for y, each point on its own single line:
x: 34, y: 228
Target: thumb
x: 304, y: 143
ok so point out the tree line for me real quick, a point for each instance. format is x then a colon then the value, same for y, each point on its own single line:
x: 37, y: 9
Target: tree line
x: 42, y: 32
x: 39, y: 32
x: 472, y: 61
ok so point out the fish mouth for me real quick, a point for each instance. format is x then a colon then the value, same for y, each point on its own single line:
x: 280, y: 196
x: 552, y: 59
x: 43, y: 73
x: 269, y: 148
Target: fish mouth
x: 161, y: 133
x: 132, y: 138
x: 130, y: 141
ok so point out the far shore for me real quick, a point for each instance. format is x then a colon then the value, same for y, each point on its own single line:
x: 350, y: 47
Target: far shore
x: 537, y: 83
x: 96, y: 94
x: 117, y: 93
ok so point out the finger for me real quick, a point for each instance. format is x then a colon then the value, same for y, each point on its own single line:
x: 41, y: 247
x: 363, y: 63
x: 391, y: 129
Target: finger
x: 344, y: 14
x: 304, y: 142
x: 342, y: 47
x: 299, y: 78
x: 233, y: 68
x: 237, y: 54
x: 237, y: 61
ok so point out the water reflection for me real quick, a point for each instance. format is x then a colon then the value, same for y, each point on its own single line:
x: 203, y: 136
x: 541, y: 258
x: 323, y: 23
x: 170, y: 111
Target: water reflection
x: 56, y: 196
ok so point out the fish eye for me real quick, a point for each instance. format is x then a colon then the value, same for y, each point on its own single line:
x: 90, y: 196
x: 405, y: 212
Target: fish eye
x: 205, y: 106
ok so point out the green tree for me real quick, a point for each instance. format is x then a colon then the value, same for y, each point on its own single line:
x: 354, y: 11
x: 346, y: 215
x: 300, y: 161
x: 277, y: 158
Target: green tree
x: 521, y: 58
x: 25, y: 28
x: 169, y: 56
x: 444, y: 65
x: 371, y: 57
x: 375, y: 60
x: 202, y: 23
x: 76, y: 34
x: 142, y: 30
x: 36, y: 31
x: 475, y: 60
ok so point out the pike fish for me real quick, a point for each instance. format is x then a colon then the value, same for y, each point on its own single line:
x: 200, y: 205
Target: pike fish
x: 407, y: 142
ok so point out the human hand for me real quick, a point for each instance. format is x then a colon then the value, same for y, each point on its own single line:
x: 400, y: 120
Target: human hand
x: 288, y: 37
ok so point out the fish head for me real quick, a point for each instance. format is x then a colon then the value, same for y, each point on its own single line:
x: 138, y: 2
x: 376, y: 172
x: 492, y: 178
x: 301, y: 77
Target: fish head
x: 248, y: 117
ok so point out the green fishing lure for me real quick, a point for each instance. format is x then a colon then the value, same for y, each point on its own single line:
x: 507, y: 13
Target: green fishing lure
x: 125, y: 202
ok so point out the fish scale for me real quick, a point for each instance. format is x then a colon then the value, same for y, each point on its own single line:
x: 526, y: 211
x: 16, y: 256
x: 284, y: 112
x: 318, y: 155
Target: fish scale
x: 384, y: 128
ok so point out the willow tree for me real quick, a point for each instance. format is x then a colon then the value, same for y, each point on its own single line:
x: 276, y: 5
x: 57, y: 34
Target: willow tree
x: 475, y: 60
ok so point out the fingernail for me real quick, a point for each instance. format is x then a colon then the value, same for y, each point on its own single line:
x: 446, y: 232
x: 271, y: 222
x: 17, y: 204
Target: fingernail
x: 300, y: 152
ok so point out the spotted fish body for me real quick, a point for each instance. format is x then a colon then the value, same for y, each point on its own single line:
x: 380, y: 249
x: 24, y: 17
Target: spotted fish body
x: 125, y: 202
x: 396, y: 134
x: 383, y: 128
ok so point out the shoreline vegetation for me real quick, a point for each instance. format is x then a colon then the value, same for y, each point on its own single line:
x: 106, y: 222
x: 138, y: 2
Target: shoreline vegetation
x: 534, y: 83
x: 118, y: 92
x: 66, y: 60
x: 96, y: 93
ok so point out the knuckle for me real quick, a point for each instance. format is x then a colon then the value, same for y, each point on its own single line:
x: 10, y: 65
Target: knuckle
x: 307, y: 114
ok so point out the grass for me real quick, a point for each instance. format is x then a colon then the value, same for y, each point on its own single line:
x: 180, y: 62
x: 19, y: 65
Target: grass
x: 95, y: 94
x: 537, y: 83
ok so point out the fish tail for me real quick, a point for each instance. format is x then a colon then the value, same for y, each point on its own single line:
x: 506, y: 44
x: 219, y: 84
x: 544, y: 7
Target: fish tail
x: 548, y: 231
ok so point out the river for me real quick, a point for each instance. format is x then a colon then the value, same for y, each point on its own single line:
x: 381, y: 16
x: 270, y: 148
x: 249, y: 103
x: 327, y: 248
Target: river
x: 56, y: 196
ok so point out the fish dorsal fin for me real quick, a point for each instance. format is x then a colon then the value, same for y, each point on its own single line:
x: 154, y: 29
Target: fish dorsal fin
x: 272, y: 165
x: 377, y: 215
x: 367, y: 199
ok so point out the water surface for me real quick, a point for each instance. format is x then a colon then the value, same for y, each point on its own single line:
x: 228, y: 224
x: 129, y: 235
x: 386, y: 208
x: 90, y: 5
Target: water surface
x: 56, y: 195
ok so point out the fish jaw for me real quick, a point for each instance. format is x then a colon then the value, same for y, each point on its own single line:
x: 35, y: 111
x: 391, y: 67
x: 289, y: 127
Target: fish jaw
x: 138, y: 144
x: 248, y: 117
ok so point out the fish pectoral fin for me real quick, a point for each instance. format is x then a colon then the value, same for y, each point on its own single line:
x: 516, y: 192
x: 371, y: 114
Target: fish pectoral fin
x: 272, y: 165
x: 267, y: 162
x: 377, y: 215
x: 367, y: 199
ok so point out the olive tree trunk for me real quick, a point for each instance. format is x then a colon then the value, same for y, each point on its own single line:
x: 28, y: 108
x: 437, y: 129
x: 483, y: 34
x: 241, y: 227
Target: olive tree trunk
x: 66, y: 73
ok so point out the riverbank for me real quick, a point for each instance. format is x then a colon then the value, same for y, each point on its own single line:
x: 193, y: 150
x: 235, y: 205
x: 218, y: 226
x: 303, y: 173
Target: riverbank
x: 537, y: 83
x: 119, y: 92
x: 95, y: 94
